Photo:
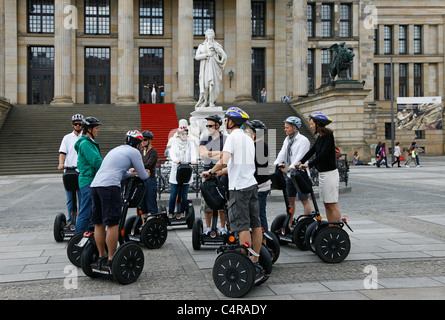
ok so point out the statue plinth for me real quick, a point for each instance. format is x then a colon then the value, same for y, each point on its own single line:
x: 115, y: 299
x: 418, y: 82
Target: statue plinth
x: 198, y: 121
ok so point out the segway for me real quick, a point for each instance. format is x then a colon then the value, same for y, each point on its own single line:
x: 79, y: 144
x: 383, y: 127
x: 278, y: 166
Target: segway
x: 71, y: 184
x: 280, y: 225
x: 186, y: 217
x: 327, y: 239
x: 152, y: 233
x: 128, y: 260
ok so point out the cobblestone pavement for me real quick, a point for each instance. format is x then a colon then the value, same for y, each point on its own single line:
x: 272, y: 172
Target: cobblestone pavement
x: 396, y: 213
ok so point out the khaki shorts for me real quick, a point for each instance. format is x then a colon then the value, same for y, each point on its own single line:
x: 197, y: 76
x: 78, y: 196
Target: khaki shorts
x: 329, y: 182
x: 243, y: 209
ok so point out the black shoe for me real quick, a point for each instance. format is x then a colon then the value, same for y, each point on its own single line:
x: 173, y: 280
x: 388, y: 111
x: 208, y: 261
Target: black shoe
x: 259, y: 272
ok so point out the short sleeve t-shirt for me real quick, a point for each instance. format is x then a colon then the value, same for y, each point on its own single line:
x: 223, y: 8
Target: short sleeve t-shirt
x: 241, y: 166
x: 67, y: 148
x: 212, y: 145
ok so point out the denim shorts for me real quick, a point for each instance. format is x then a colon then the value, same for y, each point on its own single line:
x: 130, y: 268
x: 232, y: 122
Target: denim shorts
x: 106, y: 206
x: 243, y: 209
x: 292, y: 191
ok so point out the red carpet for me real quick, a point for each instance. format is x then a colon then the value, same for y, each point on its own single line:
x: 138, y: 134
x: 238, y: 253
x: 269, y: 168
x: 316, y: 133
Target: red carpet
x: 160, y: 119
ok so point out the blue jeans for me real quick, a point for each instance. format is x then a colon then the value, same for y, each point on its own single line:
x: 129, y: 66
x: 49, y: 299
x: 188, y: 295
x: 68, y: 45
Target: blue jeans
x: 262, y: 201
x: 173, y: 195
x: 84, y: 216
x: 69, y: 203
x: 149, y: 204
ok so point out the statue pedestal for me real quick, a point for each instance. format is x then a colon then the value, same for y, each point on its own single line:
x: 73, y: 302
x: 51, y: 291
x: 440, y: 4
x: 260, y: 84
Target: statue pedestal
x: 198, y: 121
x: 344, y: 102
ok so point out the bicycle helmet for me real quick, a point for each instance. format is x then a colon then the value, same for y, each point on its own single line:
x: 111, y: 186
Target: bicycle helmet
x: 183, y: 128
x: 255, y: 125
x: 77, y: 117
x: 237, y: 115
x: 147, y: 134
x: 215, y: 118
x: 133, y: 138
x: 295, y: 121
x: 320, y: 118
x: 90, y: 122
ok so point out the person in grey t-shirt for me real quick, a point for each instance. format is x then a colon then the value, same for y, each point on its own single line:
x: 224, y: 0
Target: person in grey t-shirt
x: 106, y: 192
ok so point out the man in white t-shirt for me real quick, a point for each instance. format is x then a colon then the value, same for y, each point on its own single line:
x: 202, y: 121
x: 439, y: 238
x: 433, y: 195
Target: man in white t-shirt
x: 239, y: 157
x: 68, y: 156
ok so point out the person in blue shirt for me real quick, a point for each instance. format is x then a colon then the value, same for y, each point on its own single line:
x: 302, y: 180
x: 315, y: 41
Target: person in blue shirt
x: 106, y: 192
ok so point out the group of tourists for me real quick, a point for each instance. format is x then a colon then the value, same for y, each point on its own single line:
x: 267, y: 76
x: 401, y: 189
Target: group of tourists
x: 242, y: 155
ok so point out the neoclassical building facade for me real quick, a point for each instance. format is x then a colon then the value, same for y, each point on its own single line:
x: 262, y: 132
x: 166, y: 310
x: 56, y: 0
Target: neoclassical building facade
x: 114, y: 51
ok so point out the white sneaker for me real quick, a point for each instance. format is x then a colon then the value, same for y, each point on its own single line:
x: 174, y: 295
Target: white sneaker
x: 407, y: 166
x: 223, y: 231
x: 207, y: 231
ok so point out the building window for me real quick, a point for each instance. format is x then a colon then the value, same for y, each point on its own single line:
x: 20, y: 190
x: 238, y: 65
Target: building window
x: 311, y: 70
x: 403, y: 80
x: 403, y: 39
x: 376, y: 82
x: 418, y: 90
x: 258, y: 19
x: 203, y: 16
x: 326, y: 20
x: 97, y: 75
x: 311, y: 20
x: 417, y: 39
x: 376, y: 41
x: 345, y: 20
x: 40, y: 75
x: 151, y: 17
x: 97, y: 16
x: 387, y: 40
x: 387, y: 81
x: 388, y: 135
x: 325, y: 61
x: 41, y: 16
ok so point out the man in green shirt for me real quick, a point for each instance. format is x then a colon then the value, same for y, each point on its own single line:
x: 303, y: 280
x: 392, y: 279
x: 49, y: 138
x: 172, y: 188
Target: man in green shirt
x: 88, y: 163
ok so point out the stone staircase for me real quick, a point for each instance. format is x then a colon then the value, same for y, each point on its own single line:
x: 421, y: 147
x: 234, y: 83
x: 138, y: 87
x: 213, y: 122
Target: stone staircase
x: 31, y: 134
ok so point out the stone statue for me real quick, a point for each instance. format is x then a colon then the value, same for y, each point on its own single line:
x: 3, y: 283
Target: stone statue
x: 213, y: 60
x: 341, y: 61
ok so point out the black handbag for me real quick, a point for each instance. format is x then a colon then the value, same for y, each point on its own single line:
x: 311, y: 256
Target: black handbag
x: 214, y: 193
x: 301, y: 179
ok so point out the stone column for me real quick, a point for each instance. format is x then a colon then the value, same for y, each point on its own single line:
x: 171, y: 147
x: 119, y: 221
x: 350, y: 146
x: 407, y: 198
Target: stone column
x: 11, y: 51
x: 299, y: 48
x: 243, y: 73
x: 62, y: 55
x: 125, y: 93
x: 185, y: 52
x: 280, y: 50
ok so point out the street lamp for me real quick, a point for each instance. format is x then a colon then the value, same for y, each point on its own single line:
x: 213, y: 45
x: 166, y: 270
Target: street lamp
x: 231, y: 73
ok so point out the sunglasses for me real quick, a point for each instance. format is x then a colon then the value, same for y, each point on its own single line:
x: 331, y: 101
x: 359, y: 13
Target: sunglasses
x: 210, y: 125
x: 145, y: 139
x: 77, y: 124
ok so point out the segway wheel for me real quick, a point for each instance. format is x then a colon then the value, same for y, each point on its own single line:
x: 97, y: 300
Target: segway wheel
x: 73, y: 251
x: 273, y: 245
x: 154, y: 233
x: 59, y: 224
x: 89, y: 255
x: 190, y: 214
x: 266, y: 262
x: 233, y: 274
x: 196, y: 234
x: 276, y: 226
x: 332, y: 244
x: 300, y: 233
x: 128, y: 263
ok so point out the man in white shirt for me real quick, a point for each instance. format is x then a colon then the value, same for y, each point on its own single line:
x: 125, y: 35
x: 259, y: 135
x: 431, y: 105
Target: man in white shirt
x: 295, y: 146
x: 68, y: 156
x: 239, y: 157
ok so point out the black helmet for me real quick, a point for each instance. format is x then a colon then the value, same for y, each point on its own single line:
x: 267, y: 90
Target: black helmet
x: 90, y: 122
x: 258, y: 125
x: 147, y: 134
x: 215, y: 118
